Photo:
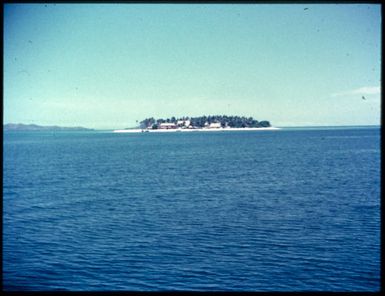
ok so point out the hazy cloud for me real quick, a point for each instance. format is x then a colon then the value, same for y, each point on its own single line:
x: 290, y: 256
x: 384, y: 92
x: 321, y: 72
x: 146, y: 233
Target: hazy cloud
x: 366, y: 90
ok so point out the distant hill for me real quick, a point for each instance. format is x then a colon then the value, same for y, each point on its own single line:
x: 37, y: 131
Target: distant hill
x: 35, y: 127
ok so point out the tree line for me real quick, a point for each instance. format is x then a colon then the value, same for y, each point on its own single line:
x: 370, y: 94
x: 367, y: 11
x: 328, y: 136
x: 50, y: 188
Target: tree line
x: 200, y: 121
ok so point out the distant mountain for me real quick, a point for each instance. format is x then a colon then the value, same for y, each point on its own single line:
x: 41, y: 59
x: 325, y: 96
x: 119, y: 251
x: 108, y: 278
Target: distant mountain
x: 35, y: 127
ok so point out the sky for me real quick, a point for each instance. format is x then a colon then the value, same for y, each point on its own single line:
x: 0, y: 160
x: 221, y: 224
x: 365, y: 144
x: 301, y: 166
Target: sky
x: 108, y: 66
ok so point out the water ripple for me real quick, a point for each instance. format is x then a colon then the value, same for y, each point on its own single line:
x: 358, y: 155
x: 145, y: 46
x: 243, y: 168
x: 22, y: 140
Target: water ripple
x: 274, y: 212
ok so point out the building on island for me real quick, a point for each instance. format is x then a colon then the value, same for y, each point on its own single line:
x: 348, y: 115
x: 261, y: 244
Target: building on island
x: 167, y: 125
x: 183, y: 123
x: 215, y: 125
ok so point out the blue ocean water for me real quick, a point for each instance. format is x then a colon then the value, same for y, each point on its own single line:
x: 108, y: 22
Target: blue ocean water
x: 287, y: 210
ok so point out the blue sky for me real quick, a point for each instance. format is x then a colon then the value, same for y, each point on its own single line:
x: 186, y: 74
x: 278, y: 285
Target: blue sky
x: 105, y: 66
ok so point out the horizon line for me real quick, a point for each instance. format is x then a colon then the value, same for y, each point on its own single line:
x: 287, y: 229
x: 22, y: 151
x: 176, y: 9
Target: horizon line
x: 278, y: 126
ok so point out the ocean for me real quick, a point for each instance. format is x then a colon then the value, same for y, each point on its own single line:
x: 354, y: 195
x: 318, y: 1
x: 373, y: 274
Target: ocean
x: 287, y: 210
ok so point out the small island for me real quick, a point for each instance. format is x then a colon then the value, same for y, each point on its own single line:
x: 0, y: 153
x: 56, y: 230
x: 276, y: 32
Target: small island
x: 201, y: 123
x: 35, y: 127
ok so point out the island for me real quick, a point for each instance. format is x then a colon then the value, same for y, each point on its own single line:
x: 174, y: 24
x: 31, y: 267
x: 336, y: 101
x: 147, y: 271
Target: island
x: 35, y: 127
x: 201, y: 123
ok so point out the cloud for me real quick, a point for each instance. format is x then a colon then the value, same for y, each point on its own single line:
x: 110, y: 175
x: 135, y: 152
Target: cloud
x: 366, y: 90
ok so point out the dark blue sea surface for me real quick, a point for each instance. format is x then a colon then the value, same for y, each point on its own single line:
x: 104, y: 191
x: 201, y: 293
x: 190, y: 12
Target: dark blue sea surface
x: 287, y: 210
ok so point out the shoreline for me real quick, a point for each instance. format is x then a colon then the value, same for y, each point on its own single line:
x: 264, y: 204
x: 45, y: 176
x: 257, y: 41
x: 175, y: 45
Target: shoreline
x: 197, y: 130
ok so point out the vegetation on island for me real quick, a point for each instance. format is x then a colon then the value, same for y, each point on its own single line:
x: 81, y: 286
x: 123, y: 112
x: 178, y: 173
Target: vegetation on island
x: 205, y: 121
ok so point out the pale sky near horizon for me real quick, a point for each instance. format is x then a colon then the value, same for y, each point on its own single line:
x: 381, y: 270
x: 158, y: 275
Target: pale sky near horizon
x: 105, y: 66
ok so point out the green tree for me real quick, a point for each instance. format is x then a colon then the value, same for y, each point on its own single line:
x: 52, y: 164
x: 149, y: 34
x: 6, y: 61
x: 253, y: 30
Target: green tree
x: 264, y: 123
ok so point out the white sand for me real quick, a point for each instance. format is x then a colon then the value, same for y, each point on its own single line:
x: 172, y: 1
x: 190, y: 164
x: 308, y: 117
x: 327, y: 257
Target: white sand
x: 197, y: 130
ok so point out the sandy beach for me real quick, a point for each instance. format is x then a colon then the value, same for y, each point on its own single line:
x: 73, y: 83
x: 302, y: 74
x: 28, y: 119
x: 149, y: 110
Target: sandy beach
x: 196, y: 130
